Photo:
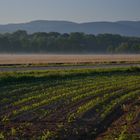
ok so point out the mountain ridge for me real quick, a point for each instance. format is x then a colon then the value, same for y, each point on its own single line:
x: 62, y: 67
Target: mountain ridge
x: 125, y: 28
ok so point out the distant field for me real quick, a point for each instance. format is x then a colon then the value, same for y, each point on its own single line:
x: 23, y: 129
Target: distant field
x: 70, y: 104
x: 44, y: 59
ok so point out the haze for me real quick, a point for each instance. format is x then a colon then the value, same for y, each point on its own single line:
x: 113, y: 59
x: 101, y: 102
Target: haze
x: 17, y: 11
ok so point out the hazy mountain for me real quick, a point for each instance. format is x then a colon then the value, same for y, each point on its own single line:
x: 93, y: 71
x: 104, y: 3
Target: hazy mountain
x: 127, y: 28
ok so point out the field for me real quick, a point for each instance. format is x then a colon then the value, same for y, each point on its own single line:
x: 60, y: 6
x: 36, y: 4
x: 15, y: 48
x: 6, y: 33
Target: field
x: 102, y: 104
x: 44, y: 59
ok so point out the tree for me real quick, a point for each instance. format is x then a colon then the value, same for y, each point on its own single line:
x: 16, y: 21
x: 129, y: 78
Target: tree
x: 123, y: 48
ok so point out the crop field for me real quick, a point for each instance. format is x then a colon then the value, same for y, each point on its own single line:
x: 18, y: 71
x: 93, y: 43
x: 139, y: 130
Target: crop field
x: 46, y: 58
x: 102, y: 104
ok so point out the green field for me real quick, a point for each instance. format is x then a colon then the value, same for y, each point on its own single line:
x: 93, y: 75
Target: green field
x: 70, y: 104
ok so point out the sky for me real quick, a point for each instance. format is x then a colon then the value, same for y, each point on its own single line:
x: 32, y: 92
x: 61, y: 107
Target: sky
x: 18, y: 11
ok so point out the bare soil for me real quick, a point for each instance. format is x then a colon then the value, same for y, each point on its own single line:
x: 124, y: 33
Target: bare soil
x: 131, y: 123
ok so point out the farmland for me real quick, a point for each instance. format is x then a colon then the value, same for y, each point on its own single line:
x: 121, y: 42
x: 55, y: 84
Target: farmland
x: 70, y: 104
x: 69, y: 59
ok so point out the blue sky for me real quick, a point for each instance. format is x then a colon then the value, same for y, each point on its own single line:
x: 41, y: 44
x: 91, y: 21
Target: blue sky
x: 16, y: 11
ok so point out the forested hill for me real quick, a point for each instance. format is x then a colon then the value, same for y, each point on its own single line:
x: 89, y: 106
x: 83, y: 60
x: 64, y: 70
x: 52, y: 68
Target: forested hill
x: 53, y: 42
x: 126, y: 28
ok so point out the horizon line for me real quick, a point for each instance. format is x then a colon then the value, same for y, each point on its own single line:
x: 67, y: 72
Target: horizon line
x: 34, y: 20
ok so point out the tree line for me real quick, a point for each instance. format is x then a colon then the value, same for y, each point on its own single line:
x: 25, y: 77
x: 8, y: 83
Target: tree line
x: 53, y: 42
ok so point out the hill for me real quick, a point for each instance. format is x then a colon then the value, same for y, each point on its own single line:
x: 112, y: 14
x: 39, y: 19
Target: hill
x: 126, y: 28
